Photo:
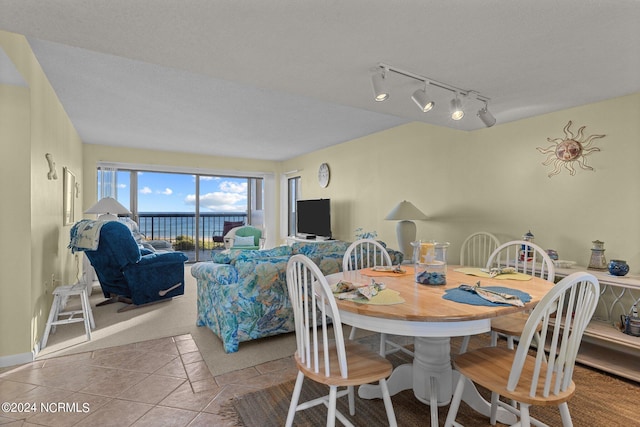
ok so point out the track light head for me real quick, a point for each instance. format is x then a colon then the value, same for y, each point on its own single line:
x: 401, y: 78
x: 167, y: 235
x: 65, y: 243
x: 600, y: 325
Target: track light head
x: 486, y: 116
x: 457, y: 113
x: 379, y: 82
x: 422, y: 100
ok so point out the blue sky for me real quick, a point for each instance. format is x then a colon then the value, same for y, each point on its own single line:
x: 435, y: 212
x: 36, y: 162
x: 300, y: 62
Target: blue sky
x: 172, y: 192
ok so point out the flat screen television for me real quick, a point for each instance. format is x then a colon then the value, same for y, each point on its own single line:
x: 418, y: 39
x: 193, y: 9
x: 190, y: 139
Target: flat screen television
x: 313, y: 218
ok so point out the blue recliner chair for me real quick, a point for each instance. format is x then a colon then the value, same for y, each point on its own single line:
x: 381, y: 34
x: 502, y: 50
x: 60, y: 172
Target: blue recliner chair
x: 125, y: 273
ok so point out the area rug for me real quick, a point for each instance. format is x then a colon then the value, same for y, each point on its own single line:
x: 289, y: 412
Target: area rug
x: 600, y: 400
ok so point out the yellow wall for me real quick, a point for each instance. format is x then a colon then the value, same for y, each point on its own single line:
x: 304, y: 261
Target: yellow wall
x: 493, y: 180
x: 34, y: 240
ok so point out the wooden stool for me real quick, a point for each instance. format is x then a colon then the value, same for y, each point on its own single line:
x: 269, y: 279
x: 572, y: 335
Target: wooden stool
x: 60, y: 296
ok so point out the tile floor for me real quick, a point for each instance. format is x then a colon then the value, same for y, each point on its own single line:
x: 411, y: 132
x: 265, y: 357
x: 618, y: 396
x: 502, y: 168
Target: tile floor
x: 156, y: 383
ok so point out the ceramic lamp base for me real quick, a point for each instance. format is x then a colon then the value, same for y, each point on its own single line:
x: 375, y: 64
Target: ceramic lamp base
x: 406, y: 233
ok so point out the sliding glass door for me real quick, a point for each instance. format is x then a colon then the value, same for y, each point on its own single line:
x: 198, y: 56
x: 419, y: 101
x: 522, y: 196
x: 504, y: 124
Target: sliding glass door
x: 187, y: 210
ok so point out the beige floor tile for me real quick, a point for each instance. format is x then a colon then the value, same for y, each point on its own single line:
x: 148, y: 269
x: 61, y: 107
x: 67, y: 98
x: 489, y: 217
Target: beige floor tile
x: 174, y: 368
x: 117, y: 349
x: 198, y: 371
x: 152, y: 389
x: 151, y: 362
x: 186, y: 346
x: 166, y: 417
x: 9, y: 370
x: 162, y: 345
x: 116, y: 413
x: 5, y: 421
x: 11, y: 389
x: 192, y: 357
x: 206, y: 384
x: 115, y: 382
x: 80, y: 406
x: 185, y: 398
x: 118, y: 360
x: 162, y: 382
x: 75, y: 359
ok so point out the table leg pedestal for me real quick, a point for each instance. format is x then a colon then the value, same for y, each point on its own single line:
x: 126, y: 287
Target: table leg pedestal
x: 400, y: 379
x: 431, y: 370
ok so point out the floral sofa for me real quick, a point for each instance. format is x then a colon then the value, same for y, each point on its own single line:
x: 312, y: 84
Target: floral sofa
x: 242, y: 295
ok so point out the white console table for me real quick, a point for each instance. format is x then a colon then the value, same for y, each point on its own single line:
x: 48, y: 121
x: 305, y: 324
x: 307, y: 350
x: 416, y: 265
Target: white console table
x: 603, y: 346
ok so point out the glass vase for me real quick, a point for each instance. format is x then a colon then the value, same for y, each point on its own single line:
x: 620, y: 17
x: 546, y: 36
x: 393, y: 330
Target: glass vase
x: 430, y: 262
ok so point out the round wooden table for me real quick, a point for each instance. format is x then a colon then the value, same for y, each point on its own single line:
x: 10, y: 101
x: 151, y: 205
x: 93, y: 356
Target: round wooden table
x: 432, y: 321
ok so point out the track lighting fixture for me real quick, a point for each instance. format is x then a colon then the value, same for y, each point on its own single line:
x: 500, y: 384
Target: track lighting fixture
x: 486, y: 116
x: 379, y: 82
x: 423, y: 101
x: 457, y: 113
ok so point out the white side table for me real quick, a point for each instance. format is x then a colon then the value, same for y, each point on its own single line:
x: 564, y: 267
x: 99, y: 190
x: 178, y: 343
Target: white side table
x: 60, y: 296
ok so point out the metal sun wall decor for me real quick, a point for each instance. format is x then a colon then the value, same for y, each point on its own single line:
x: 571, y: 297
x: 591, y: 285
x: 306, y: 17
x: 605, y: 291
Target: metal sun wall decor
x: 569, y: 151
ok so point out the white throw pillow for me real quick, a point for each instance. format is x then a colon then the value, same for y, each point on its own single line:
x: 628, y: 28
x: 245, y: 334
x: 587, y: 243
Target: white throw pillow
x: 244, y: 241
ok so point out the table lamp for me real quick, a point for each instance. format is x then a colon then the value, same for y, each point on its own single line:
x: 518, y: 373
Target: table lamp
x: 108, y: 209
x: 405, y: 212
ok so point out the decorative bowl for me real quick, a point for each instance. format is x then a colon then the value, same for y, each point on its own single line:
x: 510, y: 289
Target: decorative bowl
x: 561, y: 263
x: 618, y: 267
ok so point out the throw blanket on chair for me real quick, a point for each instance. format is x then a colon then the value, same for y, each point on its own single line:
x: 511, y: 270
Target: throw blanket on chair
x: 85, y: 235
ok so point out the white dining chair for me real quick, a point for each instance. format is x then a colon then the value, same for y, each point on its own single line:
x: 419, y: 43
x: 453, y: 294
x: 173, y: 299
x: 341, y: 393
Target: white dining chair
x: 322, y: 354
x: 539, y: 378
x: 367, y: 253
x: 536, y: 263
x: 527, y: 258
x: 477, y: 248
x: 475, y: 252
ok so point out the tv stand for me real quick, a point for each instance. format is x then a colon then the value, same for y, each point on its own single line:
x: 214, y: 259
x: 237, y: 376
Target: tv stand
x: 308, y: 239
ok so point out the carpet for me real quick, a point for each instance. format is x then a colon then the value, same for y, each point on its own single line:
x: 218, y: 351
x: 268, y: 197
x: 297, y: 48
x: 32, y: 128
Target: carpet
x: 600, y: 400
x: 167, y: 319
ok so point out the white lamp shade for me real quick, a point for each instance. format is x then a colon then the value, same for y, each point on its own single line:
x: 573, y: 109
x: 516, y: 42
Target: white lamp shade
x: 108, y: 205
x: 405, y: 211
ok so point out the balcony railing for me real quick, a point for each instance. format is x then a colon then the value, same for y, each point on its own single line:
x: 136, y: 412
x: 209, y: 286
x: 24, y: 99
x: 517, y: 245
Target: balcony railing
x: 180, y: 229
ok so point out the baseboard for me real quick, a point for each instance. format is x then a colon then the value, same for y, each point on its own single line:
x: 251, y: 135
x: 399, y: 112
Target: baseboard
x: 16, y: 359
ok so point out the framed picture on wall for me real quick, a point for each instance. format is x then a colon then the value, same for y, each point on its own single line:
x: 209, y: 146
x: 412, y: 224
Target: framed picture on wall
x: 69, y: 184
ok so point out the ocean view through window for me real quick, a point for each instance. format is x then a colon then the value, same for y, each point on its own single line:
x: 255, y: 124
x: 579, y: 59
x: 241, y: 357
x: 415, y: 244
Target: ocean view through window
x: 187, y: 210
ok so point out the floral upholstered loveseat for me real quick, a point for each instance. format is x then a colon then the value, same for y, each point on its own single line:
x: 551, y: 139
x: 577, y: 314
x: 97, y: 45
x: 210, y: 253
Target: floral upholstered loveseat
x: 242, y: 295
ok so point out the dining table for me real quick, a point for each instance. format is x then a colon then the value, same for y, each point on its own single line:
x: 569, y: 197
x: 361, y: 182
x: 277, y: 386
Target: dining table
x: 432, y: 315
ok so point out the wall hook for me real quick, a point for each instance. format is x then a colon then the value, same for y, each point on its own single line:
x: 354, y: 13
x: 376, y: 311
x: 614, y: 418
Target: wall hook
x: 52, y: 167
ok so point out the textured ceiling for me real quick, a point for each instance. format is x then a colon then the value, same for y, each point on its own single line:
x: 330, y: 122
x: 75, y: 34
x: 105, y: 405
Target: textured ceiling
x: 276, y: 79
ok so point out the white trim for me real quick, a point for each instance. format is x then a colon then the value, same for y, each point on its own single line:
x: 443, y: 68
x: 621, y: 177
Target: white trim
x: 185, y: 169
x: 16, y: 359
x: 284, y: 207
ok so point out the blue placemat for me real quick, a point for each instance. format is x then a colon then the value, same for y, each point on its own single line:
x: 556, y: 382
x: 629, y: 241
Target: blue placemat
x: 466, y: 297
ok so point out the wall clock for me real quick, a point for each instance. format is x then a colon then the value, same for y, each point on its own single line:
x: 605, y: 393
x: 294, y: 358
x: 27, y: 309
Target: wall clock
x: 323, y: 175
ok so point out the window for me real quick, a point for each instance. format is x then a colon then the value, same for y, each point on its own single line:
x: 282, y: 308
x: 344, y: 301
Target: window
x: 186, y: 209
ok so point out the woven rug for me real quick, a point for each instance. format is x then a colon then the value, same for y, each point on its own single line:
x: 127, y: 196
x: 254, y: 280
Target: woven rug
x: 600, y: 400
